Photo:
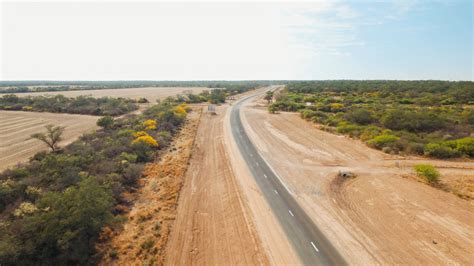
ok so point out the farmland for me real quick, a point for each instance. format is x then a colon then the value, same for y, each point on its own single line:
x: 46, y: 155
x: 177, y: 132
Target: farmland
x: 150, y: 93
x: 17, y: 126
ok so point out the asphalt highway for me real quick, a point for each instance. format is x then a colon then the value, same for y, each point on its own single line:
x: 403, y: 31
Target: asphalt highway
x: 311, y: 245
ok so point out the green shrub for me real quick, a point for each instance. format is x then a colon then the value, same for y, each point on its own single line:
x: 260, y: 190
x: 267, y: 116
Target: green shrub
x: 107, y: 122
x: 383, y: 141
x: 272, y: 108
x: 352, y: 130
x: 307, y: 114
x: 428, y: 172
x: 359, y: 116
x: 370, y: 132
x: 440, y: 150
x: 466, y: 146
x: 147, y: 244
x: 415, y: 148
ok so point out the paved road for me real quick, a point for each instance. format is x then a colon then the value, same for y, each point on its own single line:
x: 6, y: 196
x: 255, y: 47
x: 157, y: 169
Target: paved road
x: 311, y: 245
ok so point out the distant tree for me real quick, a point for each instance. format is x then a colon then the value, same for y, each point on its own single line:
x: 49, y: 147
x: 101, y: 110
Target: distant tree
x: 107, y: 122
x: 269, y: 96
x: 52, y: 136
x: 142, y: 100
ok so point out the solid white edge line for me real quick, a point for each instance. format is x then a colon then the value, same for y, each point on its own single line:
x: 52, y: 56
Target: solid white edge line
x: 273, y: 170
x: 314, y: 246
x: 291, y: 213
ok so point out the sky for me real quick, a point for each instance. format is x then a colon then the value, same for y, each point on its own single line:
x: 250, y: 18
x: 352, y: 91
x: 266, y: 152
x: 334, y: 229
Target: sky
x: 107, y: 40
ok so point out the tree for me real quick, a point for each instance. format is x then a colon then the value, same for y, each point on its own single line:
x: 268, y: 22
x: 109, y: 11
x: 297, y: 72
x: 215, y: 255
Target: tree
x: 269, y: 96
x: 52, y: 136
x: 107, y: 122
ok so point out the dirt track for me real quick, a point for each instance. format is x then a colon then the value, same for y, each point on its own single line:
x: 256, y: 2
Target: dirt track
x: 379, y: 217
x: 16, y: 127
x: 212, y: 226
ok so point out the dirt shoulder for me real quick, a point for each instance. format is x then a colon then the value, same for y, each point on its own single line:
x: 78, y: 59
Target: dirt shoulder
x: 382, y: 216
x: 212, y: 225
x: 143, y: 237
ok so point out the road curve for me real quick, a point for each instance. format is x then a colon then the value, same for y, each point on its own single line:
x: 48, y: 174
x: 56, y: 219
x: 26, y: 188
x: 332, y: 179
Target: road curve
x: 311, y: 245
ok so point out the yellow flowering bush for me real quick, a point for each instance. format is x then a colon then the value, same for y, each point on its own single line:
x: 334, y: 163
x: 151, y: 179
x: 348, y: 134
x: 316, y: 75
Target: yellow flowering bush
x: 179, y: 110
x: 33, y: 191
x: 24, y: 209
x: 336, y: 106
x: 185, y: 107
x: 150, y: 124
x: 142, y: 136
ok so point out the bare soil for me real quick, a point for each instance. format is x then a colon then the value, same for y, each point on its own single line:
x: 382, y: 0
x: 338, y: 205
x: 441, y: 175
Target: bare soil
x: 16, y: 127
x: 383, y: 216
x: 212, y: 226
x: 150, y: 93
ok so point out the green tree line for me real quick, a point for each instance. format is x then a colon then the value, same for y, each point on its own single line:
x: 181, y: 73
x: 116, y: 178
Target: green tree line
x: 85, y: 105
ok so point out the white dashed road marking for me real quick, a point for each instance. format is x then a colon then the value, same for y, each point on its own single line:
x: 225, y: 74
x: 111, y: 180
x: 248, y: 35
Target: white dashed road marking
x: 314, y: 246
x: 291, y: 213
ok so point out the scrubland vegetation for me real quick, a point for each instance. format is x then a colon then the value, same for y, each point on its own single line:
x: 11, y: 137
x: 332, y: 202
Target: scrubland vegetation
x: 85, y: 105
x: 53, y: 207
x: 432, y: 118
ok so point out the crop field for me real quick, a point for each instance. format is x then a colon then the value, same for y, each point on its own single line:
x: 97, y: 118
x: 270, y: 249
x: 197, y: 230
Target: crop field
x: 16, y: 127
x: 150, y: 93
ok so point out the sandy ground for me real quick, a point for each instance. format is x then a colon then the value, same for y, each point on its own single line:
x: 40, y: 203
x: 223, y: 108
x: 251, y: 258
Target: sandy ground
x: 212, y: 226
x: 16, y: 127
x: 151, y: 93
x: 383, y: 215
x: 143, y: 237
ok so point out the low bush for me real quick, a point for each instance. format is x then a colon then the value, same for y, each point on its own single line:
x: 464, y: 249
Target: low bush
x: 359, y: 116
x: 428, y: 172
x: 350, y: 129
x: 440, y: 150
x: 106, y: 122
x: 466, y: 146
x: 383, y: 141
